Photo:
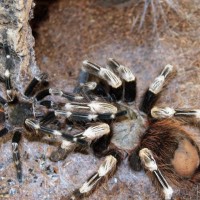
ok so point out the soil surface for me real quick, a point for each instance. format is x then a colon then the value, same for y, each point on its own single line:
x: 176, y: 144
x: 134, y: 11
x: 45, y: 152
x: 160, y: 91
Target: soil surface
x: 95, y: 30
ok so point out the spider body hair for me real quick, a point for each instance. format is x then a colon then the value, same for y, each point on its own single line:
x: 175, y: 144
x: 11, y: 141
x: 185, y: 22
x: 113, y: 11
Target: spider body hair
x: 172, y: 144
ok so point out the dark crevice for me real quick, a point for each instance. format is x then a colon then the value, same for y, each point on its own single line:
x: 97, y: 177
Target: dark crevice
x: 41, y: 13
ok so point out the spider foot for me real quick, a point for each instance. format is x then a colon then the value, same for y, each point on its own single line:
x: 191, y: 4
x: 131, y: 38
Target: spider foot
x: 16, y: 156
x: 150, y: 164
x: 108, y: 166
x: 167, y: 112
x: 152, y: 94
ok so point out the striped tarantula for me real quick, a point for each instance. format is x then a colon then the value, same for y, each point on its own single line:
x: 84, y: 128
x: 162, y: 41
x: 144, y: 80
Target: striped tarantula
x: 25, y: 112
x: 151, y: 137
x: 103, y: 105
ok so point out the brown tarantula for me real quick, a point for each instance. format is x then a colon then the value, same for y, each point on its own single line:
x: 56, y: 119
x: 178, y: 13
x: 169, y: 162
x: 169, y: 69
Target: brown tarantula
x: 105, y: 96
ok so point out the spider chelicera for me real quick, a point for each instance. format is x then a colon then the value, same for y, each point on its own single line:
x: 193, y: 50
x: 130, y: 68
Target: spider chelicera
x: 103, y: 104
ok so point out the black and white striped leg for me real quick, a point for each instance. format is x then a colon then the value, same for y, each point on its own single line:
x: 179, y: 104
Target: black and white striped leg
x: 52, y: 121
x: 100, y: 146
x: 107, y: 168
x: 167, y: 112
x: 16, y: 156
x: 128, y: 78
x: 92, y: 133
x: 92, y: 106
x: 85, y: 88
x: 30, y: 123
x: 81, y: 117
x: 149, y: 163
x: 35, y: 81
x: 48, y: 118
x: 9, y: 65
x: 48, y: 103
x: 89, y: 88
x: 187, y: 116
x: 115, y: 83
x: 100, y: 91
x: 152, y: 94
x: 56, y: 92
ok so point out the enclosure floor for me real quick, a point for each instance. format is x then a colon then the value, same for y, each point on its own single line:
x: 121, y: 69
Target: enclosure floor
x: 78, y: 30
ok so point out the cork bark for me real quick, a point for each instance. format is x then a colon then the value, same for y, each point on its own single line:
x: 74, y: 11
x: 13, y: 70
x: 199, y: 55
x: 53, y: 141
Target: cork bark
x: 15, y: 30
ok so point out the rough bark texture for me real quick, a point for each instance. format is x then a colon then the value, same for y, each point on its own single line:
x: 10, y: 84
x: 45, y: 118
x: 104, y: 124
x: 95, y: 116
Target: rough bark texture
x: 15, y: 28
x: 78, y: 30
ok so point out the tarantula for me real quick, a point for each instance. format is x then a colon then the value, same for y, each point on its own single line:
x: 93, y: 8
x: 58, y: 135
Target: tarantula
x: 147, y: 136
x: 20, y: 112
x: 105, y: 96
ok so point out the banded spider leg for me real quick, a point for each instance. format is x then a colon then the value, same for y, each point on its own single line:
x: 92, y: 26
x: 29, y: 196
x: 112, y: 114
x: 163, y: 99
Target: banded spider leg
x: 122, y: 85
